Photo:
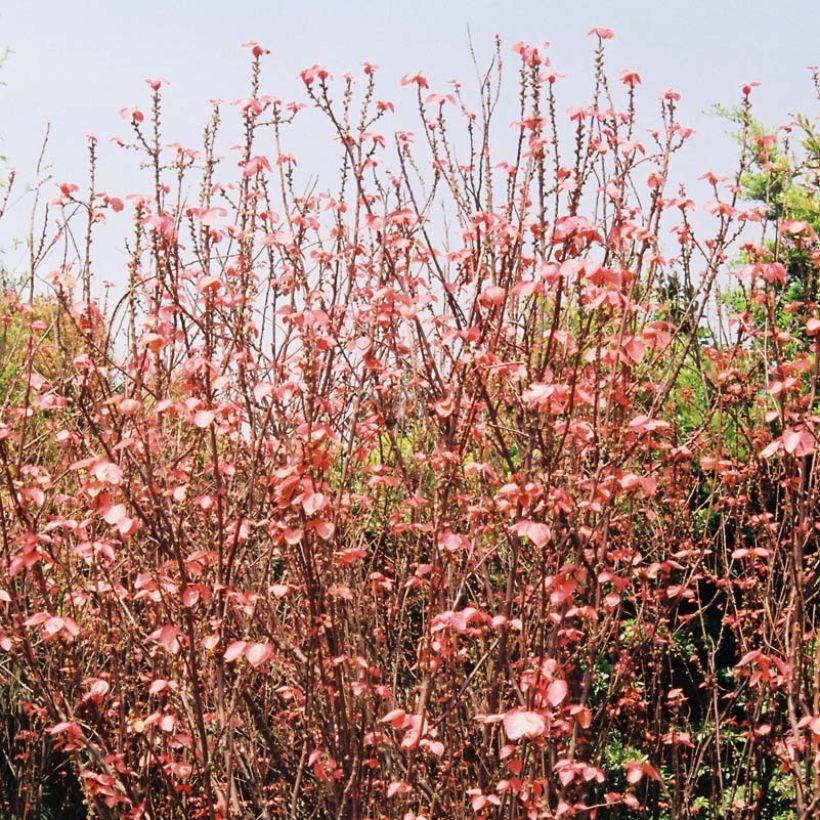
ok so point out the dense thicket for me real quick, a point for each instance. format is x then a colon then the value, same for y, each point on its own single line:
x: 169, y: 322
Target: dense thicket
x: 478, y: 484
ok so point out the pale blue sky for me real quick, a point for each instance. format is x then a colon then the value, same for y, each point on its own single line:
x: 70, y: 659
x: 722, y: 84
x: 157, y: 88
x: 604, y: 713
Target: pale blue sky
x: 75, y: 64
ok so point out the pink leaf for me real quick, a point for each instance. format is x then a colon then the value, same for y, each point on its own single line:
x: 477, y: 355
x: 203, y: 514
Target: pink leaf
x: 190, y: 596
x: 453, y: 541
x: 397, y: 787
x: 566, y: 776
x: 258, y: 653
x: 325, y: 530
x: 235, y: 650
x: 444, y: 407
x: 636, y: 769
x: 114, y: 514
x: 203, y: 418
x: 107, y: 473
x: 634, y: 772
x: 312, y: 503
x: 539, y: 534
x: 749, y: 657
x: 435, y: 747
x: 169, y: 638
x: 798, y: 442
x: 771, y: 449
x: 261, y: 390
x: 293, y: 536
x: 53, y: 625
x: 522, y: 724
x: 64, y: 726
x: 99, y: 689
x: 557, y: 691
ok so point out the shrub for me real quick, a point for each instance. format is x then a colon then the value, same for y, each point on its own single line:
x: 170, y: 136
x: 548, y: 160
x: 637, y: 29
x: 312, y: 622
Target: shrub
x: 450, y: 491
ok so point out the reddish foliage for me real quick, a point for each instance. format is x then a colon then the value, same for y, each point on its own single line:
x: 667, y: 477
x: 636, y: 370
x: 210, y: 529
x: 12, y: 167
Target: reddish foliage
x: 347, y: 510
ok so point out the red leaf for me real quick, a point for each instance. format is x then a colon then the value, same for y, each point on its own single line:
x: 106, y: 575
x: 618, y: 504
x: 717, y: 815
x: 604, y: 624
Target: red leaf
x: 350, y: 555
x: 396, y: 718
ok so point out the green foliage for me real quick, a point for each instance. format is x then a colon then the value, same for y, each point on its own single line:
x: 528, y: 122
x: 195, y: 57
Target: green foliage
x: 784, y: 177
x: 42, y: 332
